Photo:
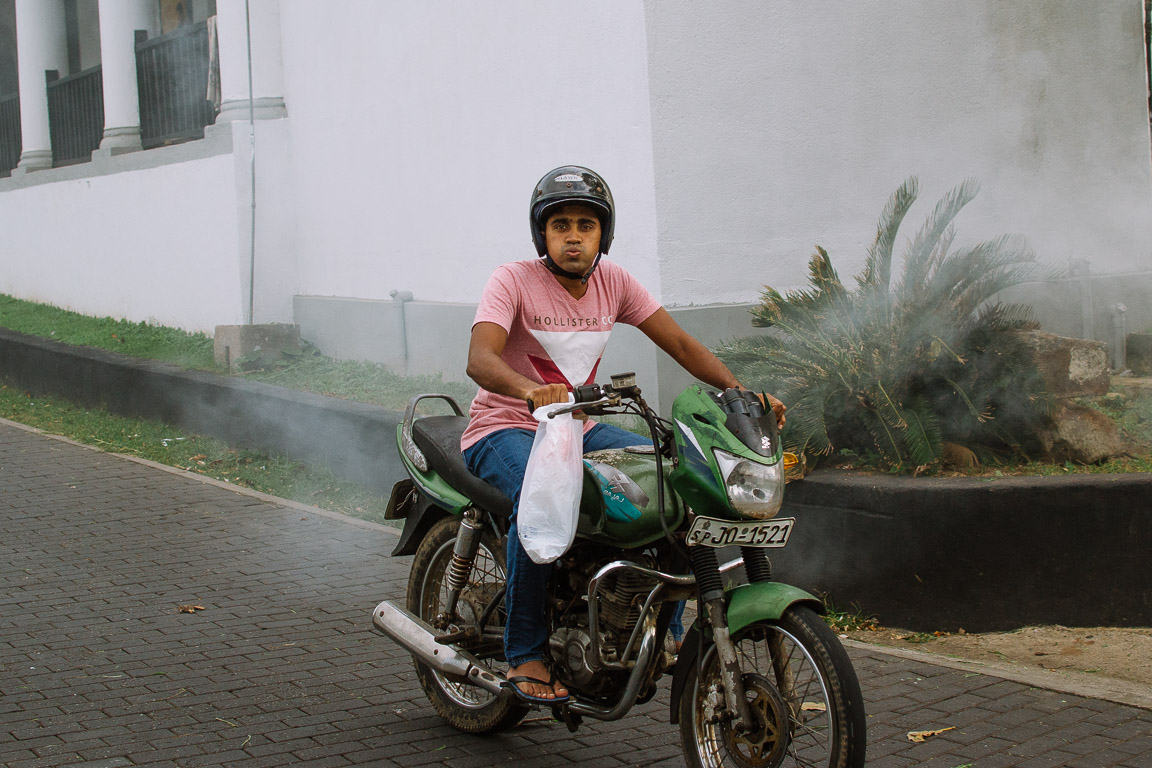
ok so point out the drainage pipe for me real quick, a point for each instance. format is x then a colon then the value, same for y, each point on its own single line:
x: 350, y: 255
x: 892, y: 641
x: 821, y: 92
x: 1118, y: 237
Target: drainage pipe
x: 401, y: 298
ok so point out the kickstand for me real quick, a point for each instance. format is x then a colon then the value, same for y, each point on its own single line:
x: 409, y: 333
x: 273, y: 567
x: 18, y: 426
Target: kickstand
x: 566, y: 716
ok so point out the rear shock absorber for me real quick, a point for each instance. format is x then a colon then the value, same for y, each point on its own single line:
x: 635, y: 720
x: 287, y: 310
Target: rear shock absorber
x: 464, y: 551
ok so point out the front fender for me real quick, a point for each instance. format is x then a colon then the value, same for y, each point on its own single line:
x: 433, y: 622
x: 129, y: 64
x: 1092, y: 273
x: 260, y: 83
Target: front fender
x: 764, y: 601
x: 747, y: 604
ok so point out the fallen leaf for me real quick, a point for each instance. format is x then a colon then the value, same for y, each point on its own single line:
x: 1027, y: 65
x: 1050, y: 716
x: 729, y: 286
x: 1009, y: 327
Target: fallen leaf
x: 197, y: 457
x: 814, y: 706
x: 919, y: 737
x: 190, y: 608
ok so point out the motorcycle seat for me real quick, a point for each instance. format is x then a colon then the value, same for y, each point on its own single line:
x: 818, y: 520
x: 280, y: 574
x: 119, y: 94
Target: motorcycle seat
x: 438, y: 437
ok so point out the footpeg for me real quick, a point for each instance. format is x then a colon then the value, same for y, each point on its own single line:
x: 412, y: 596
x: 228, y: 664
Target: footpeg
x: 565, y: 715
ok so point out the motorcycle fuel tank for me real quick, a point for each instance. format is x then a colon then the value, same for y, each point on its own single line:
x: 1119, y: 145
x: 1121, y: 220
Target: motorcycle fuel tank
x: 619, y: 501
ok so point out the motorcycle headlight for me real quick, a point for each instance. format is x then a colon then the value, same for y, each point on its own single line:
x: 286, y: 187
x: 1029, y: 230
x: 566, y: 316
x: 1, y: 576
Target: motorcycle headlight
x: 754, y: 489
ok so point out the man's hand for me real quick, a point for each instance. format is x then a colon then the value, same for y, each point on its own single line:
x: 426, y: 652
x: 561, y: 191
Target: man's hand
x: 546, y: 394
x: 777, y: 407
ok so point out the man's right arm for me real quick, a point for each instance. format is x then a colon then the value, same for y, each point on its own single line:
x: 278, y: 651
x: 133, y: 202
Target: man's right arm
x: 487, y: 368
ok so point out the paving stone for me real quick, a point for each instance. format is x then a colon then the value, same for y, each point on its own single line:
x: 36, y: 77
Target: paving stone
x: 282, y: 668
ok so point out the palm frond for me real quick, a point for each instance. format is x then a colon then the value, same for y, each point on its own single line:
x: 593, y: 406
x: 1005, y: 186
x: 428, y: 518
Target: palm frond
x: 878, y: 266
x: 922, y: 438
x: 918, y: 255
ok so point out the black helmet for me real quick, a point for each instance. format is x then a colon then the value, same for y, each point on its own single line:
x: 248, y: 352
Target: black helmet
x: 571, y: 184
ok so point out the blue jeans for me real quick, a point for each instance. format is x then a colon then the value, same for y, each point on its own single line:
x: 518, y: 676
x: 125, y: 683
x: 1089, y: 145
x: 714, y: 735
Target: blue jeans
x: 500, y: 459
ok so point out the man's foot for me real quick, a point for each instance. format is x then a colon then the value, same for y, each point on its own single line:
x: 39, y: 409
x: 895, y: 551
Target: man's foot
x: 533, y: 680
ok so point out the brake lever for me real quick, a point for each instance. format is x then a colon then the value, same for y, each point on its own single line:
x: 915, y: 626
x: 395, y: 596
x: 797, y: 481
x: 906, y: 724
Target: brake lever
x: 581, y: 406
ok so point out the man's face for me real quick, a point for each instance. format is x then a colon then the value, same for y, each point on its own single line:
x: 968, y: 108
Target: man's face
x: 572, y: 233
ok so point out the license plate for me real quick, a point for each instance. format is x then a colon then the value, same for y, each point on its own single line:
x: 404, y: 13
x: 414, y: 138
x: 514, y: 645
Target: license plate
x: 710, y: 532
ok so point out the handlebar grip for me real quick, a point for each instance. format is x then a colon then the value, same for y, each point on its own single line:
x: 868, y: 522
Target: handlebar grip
x: 588, y: 393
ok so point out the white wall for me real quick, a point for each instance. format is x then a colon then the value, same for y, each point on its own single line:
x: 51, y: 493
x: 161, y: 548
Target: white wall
x: 88, y: 27
x: 420, y: 128
x: 735, y: 136
x: 155, y: 244
x: 778, y: 126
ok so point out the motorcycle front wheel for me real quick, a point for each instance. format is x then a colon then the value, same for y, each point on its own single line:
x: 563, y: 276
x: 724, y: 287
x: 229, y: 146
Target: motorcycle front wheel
x: 463, y: 706
x: 803, y: 693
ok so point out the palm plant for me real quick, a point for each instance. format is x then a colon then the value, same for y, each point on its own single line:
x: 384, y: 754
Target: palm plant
x: 900, y: 368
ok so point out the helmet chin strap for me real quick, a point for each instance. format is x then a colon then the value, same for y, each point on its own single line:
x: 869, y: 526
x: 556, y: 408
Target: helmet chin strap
x: 555, y: 269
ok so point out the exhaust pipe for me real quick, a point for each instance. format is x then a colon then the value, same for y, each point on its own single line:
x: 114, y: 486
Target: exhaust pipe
x: 419, y: 639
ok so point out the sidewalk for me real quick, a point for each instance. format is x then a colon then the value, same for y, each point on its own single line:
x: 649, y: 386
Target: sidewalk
x: 281, y: 666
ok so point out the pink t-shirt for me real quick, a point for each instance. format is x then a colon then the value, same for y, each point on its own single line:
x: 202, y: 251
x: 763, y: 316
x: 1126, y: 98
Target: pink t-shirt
x: 552, y: 337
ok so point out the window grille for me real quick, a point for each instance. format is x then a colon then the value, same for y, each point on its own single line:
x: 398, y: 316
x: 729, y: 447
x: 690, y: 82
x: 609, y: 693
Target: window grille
x: 75, y: 115
x: 10, y: 143
x: 172, y: 75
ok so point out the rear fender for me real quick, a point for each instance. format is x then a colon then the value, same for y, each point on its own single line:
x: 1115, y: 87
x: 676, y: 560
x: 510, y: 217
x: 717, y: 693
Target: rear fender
x: 421, y: 514
x: 747, y: 604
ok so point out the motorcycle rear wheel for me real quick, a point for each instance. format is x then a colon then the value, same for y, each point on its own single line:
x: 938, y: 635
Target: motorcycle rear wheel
x: 463, y: 706
x: 803, y: 693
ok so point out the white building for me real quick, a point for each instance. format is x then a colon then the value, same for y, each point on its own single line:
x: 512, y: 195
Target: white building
x: 396, y: 144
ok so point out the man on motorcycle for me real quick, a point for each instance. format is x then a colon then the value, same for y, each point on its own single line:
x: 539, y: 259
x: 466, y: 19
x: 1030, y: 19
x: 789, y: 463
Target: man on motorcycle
x: 539, y: 331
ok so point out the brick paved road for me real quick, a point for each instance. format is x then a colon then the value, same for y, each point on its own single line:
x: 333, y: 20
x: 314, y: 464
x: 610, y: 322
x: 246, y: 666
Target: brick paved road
x: 281, y: 668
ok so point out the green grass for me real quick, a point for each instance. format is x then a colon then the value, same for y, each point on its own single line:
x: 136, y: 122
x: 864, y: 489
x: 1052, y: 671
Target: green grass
x: 357, y: 380
x: 155, y: 342
x: 164, y: 444
x: 307, y: 371
x: 852, y: 619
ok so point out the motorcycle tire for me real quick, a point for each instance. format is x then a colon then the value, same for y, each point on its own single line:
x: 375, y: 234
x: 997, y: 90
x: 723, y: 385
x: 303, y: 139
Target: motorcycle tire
x: 803, y: 694
x: 463, y: 706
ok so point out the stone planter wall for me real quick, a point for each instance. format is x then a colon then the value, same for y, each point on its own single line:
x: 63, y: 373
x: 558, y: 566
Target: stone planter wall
x: 975, y: 553
x: 355, y: 440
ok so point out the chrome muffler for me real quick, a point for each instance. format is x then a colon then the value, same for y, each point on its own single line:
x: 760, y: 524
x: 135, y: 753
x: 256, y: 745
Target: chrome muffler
x: 419, y: 638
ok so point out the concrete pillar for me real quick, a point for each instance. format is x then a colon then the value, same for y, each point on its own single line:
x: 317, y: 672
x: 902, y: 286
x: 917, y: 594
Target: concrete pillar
x: 119, y: 19
x: 41, y: 44
x: 267, y: 72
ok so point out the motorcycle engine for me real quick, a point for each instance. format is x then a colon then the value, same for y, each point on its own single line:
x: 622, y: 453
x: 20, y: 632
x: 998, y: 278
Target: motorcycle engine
x: 621, y: 597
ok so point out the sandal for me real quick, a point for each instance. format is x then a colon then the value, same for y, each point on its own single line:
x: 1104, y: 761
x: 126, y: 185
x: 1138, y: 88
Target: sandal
x: 512, y: 685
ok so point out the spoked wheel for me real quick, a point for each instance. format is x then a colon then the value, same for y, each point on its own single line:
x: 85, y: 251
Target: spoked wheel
x: 466, y: 707
x: 803, y: 693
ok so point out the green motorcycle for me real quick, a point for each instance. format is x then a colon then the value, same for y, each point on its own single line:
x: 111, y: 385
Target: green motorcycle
x: 760, y: 679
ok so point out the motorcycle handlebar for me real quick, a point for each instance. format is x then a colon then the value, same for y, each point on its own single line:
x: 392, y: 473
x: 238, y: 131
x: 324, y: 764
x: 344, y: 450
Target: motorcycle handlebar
x: 623, y: 384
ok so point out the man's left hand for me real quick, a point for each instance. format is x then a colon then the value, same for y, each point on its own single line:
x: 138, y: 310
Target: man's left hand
x: 777, y: 407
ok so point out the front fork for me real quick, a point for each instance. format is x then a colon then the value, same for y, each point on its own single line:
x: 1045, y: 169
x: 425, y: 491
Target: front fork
x: 711, y: 590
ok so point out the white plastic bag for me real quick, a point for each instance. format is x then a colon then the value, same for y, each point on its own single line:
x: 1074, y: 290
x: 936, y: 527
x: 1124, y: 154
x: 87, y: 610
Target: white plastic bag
x: 550, y: 497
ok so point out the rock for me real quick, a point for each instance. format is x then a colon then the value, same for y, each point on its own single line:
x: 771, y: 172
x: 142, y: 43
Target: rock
x: 1082, y: 435
x: 235, y: 345
x: 958, y: 456
x: 1070, y: 367
x: 1138, y: 350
